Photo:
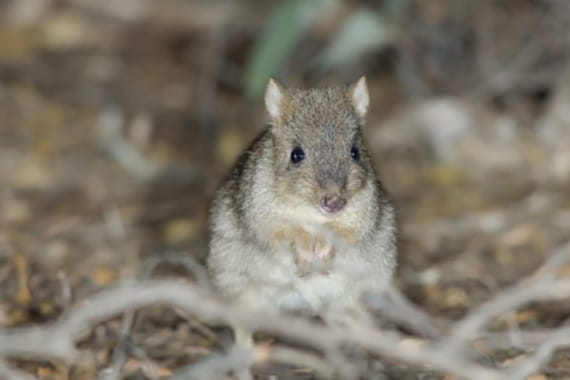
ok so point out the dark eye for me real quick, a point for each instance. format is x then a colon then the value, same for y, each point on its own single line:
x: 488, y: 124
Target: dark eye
x: 297, y: 155
x: 355, y: 153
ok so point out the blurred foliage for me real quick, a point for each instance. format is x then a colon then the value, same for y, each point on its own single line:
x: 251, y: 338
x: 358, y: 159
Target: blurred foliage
x: 363, y: 30
x: 491, y: 47
x: 283, y: 30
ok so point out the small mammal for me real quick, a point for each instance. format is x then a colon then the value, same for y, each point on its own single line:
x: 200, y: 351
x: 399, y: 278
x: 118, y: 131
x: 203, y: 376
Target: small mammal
x: 302, y: 224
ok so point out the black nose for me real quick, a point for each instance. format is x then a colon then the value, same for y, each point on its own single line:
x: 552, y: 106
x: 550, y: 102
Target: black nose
x: 333, y: 204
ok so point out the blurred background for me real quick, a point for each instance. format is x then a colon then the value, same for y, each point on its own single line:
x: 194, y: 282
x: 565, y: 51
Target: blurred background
x: 119, y: 118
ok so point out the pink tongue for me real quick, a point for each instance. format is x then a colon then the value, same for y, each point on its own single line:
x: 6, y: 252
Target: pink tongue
x: 333, y: 204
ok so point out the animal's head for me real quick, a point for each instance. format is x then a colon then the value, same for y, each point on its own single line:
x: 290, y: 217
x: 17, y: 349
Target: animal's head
x: 319, y: 157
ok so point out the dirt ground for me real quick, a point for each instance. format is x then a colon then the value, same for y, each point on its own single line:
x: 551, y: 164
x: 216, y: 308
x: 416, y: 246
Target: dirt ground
x: 115, y: 130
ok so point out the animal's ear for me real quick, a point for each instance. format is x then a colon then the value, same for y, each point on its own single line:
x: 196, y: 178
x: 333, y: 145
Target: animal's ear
x: 358, y: 95
x: 274, y: 98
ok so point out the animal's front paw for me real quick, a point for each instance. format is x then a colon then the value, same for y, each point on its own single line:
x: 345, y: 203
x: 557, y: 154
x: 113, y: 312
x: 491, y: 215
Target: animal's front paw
x: 323, y: 254
x: 313, y: 253
x: 303, y: 246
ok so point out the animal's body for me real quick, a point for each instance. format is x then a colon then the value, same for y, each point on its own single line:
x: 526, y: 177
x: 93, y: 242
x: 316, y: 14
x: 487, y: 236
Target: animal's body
x: 302, y: 224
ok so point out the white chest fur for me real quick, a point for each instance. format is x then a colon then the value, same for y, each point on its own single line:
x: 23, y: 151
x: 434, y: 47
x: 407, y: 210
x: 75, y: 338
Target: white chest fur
x: 283, y: 289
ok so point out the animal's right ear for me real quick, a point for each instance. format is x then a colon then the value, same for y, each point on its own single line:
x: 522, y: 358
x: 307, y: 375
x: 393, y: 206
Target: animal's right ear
x: 274, y: 96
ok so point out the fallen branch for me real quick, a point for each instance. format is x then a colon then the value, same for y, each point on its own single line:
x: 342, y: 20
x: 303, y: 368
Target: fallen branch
x: 447, y: 352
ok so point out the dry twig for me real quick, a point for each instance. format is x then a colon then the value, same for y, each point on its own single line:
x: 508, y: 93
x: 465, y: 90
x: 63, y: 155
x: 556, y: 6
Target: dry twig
x: 447, y: 353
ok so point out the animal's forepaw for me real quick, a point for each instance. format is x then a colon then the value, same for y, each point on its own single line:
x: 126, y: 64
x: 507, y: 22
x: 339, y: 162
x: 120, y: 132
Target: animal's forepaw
x: 323, y: 254
x: 314, y: 254
x: 303, y: 246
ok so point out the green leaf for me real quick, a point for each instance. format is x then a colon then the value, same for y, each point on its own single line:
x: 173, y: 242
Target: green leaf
x: 286, y: 25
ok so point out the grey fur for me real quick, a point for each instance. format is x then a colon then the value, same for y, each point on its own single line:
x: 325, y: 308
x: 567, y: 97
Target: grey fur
x: 265, y: 193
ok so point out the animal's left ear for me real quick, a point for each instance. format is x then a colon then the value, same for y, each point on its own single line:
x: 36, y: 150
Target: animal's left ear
x: 358, y: 95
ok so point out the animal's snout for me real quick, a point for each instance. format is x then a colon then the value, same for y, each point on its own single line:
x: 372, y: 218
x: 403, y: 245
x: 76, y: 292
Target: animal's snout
x: 333, y: 187
x: 333, y: 204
